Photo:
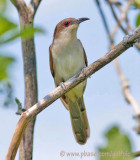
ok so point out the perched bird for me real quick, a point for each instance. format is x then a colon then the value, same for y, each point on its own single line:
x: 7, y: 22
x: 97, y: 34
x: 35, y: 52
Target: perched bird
x: 67, y: 57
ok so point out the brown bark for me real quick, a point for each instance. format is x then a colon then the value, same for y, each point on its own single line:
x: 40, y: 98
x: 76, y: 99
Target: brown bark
x: 26, y: 15
x: 30, y: 78
x: 58, y: 92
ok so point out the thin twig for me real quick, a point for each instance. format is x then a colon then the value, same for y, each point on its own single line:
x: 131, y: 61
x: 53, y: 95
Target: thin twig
x: 124, y: 13
x: 104, y: 21
x: 124, y: 17
x: 58, y: 92
x: 136, y: 154
x: 126, y: 89
x: 124, y: 82
x: 103, y: 16
x: 116, y: 18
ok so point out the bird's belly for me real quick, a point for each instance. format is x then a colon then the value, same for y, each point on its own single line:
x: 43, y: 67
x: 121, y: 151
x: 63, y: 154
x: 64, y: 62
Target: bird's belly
x: 76, y: 92
x: 67, y: 62
x: 69, y: 65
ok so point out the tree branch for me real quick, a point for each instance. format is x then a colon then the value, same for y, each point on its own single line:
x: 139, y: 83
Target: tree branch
x: 20, y: 5
x: 126, y: 89
x: 58, y: 92
x: 136, y: 154
x: 103, y: 17
x: 31, y: 95
x: 116, y: 18
x: 123, y: 15
x: 33, y: 6
x: 30, y: 79
x: 104, y: 21
x: 124, y: 82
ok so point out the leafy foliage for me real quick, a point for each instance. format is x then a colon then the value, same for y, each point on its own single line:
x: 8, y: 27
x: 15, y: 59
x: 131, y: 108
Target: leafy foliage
x: 6, y: 91
x: 9, y: 31
x: 118, y: 146
x: 6, y: 25
x: 4, y: 64
x: 137, y: 3
x: 2, y: 5
x: 138, y: 20
x: 27, y: 33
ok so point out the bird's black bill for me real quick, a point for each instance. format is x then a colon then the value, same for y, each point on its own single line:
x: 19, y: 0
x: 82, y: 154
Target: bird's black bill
x: 81, y: 20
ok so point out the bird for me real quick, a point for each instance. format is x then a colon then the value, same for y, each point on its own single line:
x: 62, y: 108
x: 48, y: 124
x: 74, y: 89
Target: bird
x: 67, y: 58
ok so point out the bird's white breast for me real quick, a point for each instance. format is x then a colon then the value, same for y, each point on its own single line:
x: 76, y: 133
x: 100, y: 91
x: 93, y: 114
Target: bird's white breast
x: 68, y: 58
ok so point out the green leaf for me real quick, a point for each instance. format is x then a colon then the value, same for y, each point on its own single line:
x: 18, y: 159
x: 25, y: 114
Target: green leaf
x: 138, y: 20
x: 26, y: 33
x: 4, y: 64
x: 29, y: 32
x: 6, y: 25
x: 137, y: 3
x: 3, y: 4
x: 118, y: 146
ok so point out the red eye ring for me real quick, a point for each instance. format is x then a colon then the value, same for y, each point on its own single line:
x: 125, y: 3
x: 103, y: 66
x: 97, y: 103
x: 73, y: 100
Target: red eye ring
x: 66, y: 23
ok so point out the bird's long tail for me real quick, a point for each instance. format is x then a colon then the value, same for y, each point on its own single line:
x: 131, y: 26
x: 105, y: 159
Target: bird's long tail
x: 79, y: 120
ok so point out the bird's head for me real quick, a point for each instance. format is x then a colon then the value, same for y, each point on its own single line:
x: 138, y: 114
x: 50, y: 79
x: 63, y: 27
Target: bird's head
x: 67, y: 28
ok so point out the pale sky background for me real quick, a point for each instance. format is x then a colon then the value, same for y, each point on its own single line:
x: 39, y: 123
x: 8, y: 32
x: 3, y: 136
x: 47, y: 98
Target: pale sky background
x: 104, y: 101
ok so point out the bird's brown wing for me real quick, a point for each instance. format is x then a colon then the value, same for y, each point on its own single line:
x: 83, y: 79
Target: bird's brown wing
x: 51, y: 61
x: 85, y: 56
x: 86, y: 61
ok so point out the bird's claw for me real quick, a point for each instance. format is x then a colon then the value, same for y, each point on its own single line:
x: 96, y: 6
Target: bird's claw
x: 83, y: 71
x: 63, y: 85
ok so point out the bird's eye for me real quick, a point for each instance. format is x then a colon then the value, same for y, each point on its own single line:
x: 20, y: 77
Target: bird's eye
x: 66, y: 24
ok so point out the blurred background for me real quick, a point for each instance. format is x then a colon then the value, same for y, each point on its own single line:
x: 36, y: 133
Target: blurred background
x: 104, y: 100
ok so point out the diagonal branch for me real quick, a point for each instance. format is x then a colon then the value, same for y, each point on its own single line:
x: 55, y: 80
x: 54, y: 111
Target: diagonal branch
x: 27, y: 116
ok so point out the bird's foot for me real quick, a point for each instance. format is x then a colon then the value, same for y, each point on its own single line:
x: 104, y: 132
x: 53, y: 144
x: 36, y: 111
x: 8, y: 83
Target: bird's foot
x: 83, y: 71
x: 63, y: 86
x: 126, y: 41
